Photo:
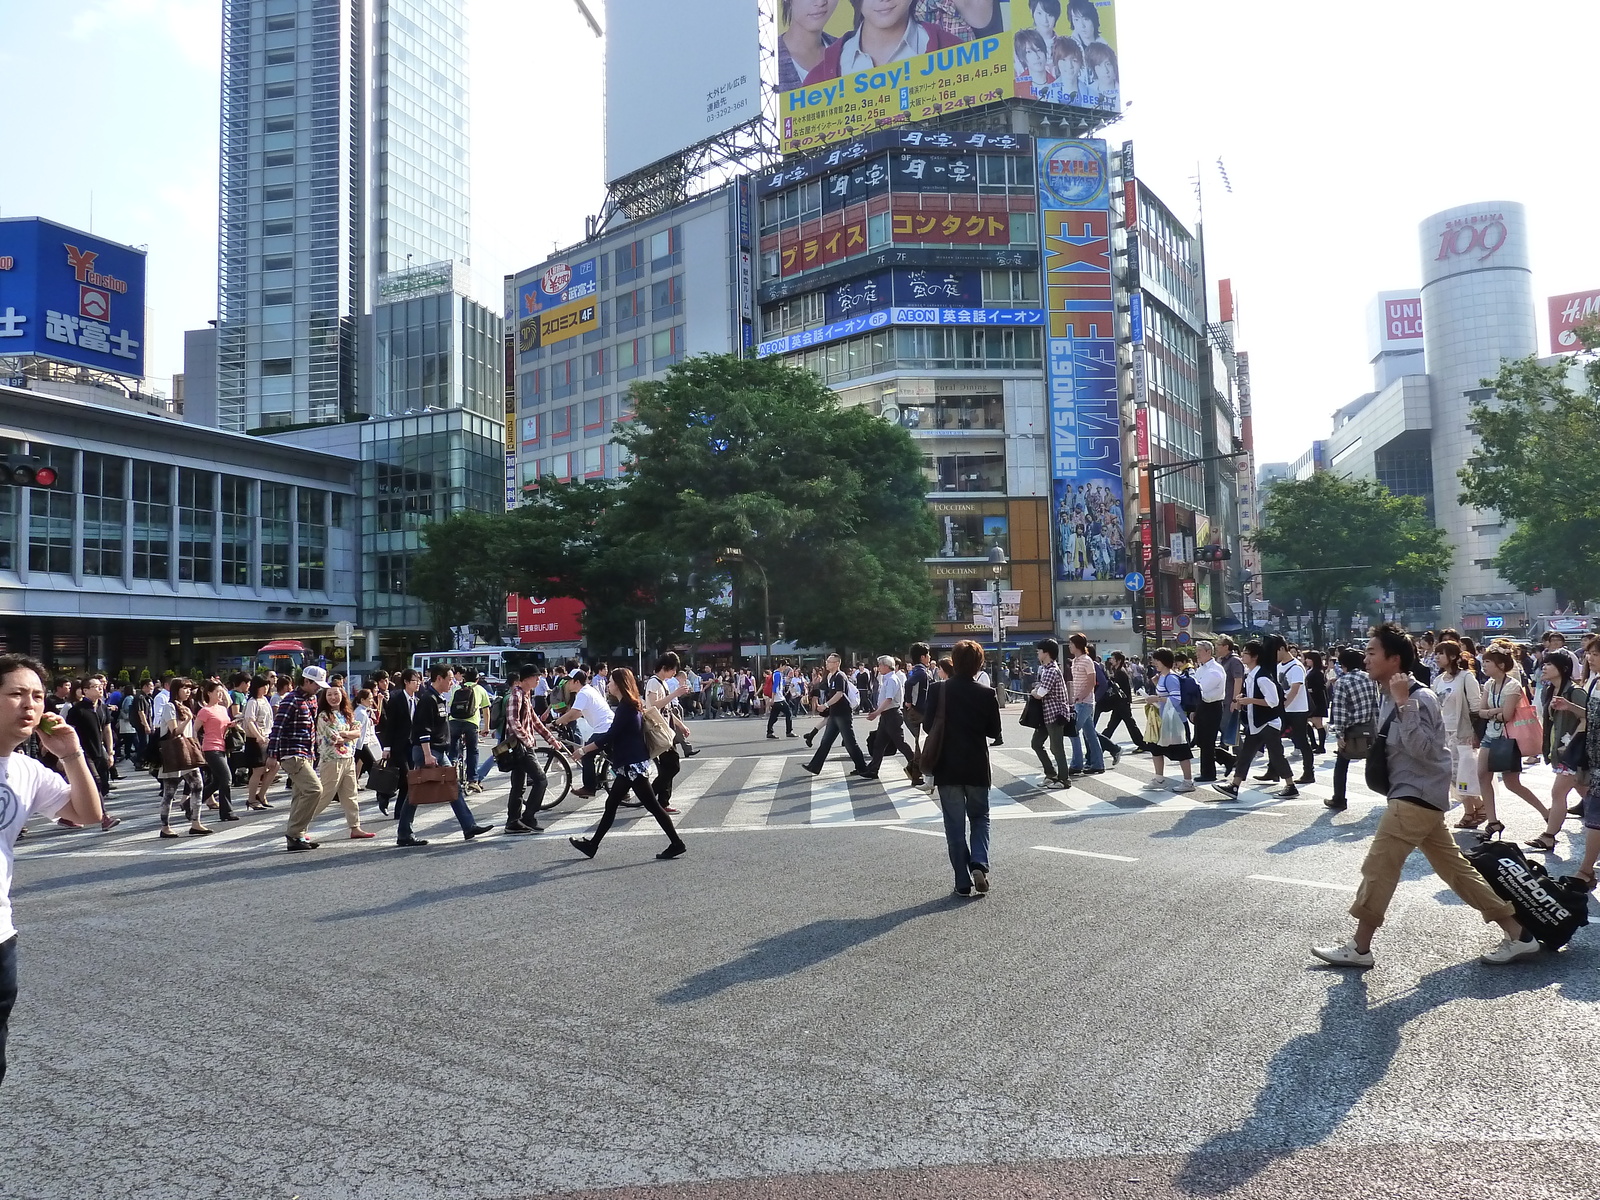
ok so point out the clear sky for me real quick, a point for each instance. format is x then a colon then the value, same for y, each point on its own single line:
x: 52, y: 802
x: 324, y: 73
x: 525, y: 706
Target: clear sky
x: 1342, y: 126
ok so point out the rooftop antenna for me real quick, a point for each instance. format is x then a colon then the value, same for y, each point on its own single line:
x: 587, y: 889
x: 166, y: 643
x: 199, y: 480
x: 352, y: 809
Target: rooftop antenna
x: 1223, y: 171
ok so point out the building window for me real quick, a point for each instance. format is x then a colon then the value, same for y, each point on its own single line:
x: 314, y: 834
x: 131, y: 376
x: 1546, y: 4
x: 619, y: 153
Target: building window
x: 631, y: 308
x: 1010, y: 287
x: 280, y: 91
x: 1005, y: 173
x: 594, y: 367
x: 966, y: 472
x: 277, y: 366
x: 276, y: 58
x: 666, y: 247
x: 238, y: 532
x: 313, y: 531
x: 276, y: 518
x: 629, y: 261
x: 594, y: 461
x: 666, y: 346
x: 280, y: 296
x: 392, y: 573
x: 283, y: 191
x: 278, y: 262
x: 152, y: 521
x: 532, y: 387
x: 1025, y: 229
x: 278, y: 158
x: 594, y: 414
x: 793, y: 315
x: 563, y: 379
x: 280, y: 21
x: 196, y: 519
x: 276, y: 228
x: 103, y: 480
x: 279, y: 124
x: 880, y: 227
x: 666, y: 298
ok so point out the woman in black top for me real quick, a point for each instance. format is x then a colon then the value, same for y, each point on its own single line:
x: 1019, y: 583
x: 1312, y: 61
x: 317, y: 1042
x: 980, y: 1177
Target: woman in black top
x: 624, y: 746
x: 1121, y: 709
x: 970, y: 714
x: 1317, y: 696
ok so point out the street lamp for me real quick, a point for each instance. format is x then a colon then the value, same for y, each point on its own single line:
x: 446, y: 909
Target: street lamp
x: 997, y: 568
x: 734, y: 554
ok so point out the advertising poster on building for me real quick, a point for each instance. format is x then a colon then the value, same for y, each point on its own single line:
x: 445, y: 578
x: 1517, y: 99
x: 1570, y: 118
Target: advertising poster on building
x: 541, y: 621
x: 1081, y: 361
x: 1567, y: 315
x: 560, y: 304
x: 845, y: 69
x: 71, y: 296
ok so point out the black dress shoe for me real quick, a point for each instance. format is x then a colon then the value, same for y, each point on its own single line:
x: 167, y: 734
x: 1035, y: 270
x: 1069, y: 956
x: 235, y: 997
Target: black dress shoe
x: 584, y: 846
x: 673, y: 851
x: 807, y: 767
x: 476, y: 831
x: 809, y: 736
x: 412, y: 842
x: 519, y: 827
x: 1205, y: 778
x: 689, y: 751
x: 1308, y: 777
x: 229, y: 817
x: 1335, y: 805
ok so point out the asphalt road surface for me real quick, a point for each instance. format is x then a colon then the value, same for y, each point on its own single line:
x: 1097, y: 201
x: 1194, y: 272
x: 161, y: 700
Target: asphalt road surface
x: 797, y: 1008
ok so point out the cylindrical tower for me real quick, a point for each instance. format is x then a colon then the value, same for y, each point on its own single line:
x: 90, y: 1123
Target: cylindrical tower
x: 1477, y: 309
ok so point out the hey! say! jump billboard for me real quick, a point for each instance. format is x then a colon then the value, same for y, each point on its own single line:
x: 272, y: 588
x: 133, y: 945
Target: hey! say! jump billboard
x: 847, y: 67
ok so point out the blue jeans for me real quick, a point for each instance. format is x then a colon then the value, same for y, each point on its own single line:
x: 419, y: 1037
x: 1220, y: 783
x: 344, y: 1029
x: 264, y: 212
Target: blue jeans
x: 964, y: 802
x: 484, y: 768
x: 1084, y: 711
x: 464, y: 745
x: 458, y: 806
x: 8, y: 993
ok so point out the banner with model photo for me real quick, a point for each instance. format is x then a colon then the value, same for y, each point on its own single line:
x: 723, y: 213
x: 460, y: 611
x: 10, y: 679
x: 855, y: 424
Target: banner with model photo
x: 1081, y: 361
x: 847, y: 67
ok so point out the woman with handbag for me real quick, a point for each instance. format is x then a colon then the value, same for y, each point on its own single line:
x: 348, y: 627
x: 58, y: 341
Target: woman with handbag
x: 337, y: 736
x: 368, y: 748
x: 1174, y: 726
x: 212, y: 724
x: 1049, y: 713
x: 624, y: 744
x: 255, y: 719
x: 1566, y: 744
x: 1459, y: 698
x: 181, y: 760
x: 1501, y: 755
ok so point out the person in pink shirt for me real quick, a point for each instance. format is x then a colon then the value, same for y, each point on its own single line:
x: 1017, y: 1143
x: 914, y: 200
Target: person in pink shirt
x: 1080, y: 690
x: 211, y: 724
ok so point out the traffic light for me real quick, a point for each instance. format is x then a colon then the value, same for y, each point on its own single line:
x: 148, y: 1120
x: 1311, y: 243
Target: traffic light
x: 26, y: 470
x: 1212, y: 554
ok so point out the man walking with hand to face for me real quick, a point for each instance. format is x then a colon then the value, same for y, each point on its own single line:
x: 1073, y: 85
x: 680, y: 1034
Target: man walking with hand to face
x: 833, y: 703
x: 28, y: 788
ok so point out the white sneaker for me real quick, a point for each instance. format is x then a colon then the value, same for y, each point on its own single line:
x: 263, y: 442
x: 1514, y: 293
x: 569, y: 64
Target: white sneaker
x: 1343, y: 956
x: 1158, y: 784
x: 1185, y: 786
x: 1509, y: 951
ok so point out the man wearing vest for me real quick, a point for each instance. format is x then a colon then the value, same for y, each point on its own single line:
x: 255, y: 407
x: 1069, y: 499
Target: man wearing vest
x: 833, y: 702
x: 1262, y: 715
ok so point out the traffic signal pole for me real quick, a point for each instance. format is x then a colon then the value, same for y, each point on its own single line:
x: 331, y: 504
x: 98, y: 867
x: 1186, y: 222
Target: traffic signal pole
x: 1156, y: 470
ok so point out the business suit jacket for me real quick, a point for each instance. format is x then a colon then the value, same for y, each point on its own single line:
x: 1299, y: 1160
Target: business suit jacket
x: 394, y: 723
x: 971, y: 721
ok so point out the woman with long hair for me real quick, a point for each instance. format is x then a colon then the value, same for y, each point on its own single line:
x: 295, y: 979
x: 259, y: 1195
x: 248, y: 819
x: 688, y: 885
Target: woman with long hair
x: 1459, y: 698
x: 180, y: 723
x: 624, y: 745
x: 368, y: 748
x: 256, y: 721
x: 1566, y: 719
x: 1317, y: 695
x: 211, y: 723
x: 337, y: 735
x: 1500, y: 708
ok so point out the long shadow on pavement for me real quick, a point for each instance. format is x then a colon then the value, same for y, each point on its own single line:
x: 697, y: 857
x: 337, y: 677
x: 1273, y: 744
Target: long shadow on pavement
x: 1315, y: 1080
x: 1323, y: 832
x: 799, y: 948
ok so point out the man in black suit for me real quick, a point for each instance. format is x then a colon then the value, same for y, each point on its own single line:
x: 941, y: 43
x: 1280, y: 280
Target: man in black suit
x: 834, y: 702
x: 428, y: 744
x: 394, y: 728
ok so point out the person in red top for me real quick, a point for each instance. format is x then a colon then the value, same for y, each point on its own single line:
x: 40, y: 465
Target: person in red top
x: 885, y: 32
x: 211, y: 723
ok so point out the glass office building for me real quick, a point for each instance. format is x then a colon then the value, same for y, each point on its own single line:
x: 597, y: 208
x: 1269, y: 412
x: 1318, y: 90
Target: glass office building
x: 343, y: 158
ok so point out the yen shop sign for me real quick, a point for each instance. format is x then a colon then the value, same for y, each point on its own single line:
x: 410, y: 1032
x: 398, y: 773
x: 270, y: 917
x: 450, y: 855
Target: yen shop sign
x: 1477, y: 236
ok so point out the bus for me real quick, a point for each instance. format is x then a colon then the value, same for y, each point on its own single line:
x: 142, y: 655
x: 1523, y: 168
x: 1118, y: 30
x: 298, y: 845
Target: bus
x: 284, y: 657
x: 494, y: 664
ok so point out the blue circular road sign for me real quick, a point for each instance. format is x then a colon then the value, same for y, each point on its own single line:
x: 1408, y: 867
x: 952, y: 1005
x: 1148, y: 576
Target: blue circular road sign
x: 1133, y: 581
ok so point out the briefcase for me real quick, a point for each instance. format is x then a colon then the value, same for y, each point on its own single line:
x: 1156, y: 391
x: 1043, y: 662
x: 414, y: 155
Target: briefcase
x: 385, y: 778
x: 432, y: 785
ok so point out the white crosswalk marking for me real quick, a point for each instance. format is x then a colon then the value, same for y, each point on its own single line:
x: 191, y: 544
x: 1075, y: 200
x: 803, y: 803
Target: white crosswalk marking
x: 700, y: 781
x: 756, y: 794
x: 830, y: 801
x: 581, y: 817
x: 911, y: 803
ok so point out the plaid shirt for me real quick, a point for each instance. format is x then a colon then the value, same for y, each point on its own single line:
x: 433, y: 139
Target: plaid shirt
x: 1055, y: 693
x: 522, y: 723
x: 294, y: 729
x: 1355, y: 698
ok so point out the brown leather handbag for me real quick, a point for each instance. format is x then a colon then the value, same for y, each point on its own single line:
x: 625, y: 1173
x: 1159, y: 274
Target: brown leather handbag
x: 180, y: 752
x: 432, y: 785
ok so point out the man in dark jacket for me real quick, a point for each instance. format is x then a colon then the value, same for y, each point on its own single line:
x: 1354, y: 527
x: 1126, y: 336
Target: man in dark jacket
x: 833, y: 702
x: 971, y: 722
x: 428, y: 743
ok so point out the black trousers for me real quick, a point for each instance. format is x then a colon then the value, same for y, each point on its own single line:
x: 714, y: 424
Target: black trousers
x: 1123, y: 714
x: 1298, y: 726
x: 780, y: 705
x: 526, y: 776
x: 838, y: 726
x: 667, y: 768
x: 1341, y: 771
x: 892, y: 739
x: 8, y: 993
x: 640, y: 786
x: 219, y: 781
x: 1270, y: 740
x: 1207, y: 725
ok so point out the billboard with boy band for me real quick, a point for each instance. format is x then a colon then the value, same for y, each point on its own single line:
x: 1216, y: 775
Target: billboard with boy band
x: 847, y: 67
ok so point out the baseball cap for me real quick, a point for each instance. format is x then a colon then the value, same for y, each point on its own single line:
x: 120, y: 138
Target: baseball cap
x: 317, y: 676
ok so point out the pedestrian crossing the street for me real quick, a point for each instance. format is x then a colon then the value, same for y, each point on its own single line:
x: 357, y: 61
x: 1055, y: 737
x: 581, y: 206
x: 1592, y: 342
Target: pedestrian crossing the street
x: 749, y: 794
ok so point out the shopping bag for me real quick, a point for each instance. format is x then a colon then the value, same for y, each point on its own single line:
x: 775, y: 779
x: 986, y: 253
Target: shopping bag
x: 1550, y: 908
x: 1466, y: 772
x: 1524, y: 728
x: 1152, y: 725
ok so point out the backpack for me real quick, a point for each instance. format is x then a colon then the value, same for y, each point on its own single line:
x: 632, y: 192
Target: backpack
x: 1550, y: 908
x: 1102, y: 684
x: 497, y: 713
x: 464, y: 704
x: 1189, y: 692
x: 851, y: 692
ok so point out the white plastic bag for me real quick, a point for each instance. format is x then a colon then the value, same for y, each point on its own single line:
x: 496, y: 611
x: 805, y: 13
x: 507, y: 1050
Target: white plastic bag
x: 1466, y: 773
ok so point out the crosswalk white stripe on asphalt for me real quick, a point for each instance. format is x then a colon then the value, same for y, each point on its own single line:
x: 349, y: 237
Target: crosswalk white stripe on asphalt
x: 581, y: 817
x: 911, y: 803
x: 700, y: 781
x: 830, y: 802
x: 756, y: 795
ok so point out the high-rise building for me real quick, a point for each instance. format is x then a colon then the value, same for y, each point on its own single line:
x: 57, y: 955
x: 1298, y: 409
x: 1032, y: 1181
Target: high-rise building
x: 343, y: 159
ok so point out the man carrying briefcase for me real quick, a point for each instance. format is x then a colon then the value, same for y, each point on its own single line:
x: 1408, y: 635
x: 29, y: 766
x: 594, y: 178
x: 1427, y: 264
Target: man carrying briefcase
x: 429, y: 747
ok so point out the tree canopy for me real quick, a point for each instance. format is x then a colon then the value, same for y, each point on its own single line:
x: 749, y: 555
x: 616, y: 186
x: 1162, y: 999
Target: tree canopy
x: 1328, y: 538
x: 1537, y: 466
x: 726, y: 453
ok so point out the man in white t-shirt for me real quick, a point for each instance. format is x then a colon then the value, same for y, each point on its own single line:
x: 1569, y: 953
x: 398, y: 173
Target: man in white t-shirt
x: 1296, y: 711
x: 29, y: 788
x: 590, y: 703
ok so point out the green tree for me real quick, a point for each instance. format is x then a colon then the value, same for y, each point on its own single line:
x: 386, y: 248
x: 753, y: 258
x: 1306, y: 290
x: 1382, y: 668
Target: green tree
x: 462, y: 574
x: 1537, y: 466
x: 1326, y: 538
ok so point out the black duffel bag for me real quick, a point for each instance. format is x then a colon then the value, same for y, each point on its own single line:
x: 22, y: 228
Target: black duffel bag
x: 1551, y: 909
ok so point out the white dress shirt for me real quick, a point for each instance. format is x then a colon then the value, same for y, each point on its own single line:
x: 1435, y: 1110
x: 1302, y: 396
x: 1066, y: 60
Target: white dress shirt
x: 592, y: 706
x: 1213, y: 680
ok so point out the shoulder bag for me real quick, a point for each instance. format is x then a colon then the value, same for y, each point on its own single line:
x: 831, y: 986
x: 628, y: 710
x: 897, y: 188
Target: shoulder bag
x: 180, y: 752
x: 1524, y: 728
x: 1032, y: 714
x: 1377, y: 768
x: 933, y: 739
x: 658, y: 737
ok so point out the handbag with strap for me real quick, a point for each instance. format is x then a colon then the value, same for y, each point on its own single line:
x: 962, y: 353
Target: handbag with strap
x: 658, y: 737
x: 180, y: 752
x: 1524, y: 728
x: 1504, y: 754
x: 432, y: 785
x: 933, y: 739
x: 385, y: 778
x: 1032, y: 714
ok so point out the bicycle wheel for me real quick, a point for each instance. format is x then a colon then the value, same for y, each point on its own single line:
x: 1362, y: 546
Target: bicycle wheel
x: 557, y: 774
